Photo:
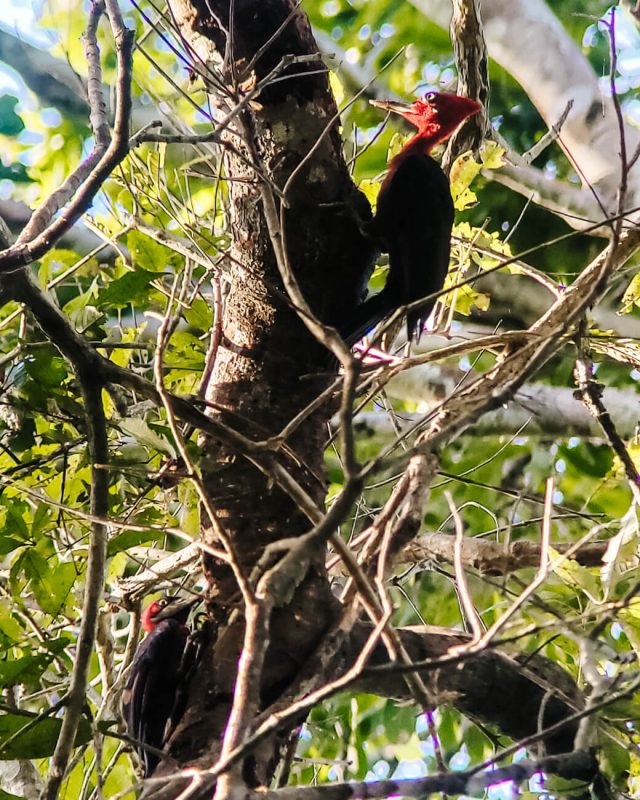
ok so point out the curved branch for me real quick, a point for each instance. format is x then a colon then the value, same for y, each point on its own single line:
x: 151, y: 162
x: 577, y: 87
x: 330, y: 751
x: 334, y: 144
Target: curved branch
x: 495, y: 558
x: 81, y: 187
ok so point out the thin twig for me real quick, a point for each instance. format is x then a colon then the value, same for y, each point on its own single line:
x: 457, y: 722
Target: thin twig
x: 473, y: 618
x: 591, y: 394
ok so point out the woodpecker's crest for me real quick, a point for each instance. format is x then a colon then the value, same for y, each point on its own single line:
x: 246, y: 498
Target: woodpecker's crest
x: 436, y: 115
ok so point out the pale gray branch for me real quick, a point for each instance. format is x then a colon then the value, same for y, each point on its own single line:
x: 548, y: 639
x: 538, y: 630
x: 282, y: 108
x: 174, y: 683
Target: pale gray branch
x: 536, y: 409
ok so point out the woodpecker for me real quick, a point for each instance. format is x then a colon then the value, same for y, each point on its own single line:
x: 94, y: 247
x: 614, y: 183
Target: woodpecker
x: 156, y: 682
x: 414, y: 215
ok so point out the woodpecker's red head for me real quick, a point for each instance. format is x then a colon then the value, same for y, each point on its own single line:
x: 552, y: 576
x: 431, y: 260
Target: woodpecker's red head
x: 436, y: 115
x: 166, y: 608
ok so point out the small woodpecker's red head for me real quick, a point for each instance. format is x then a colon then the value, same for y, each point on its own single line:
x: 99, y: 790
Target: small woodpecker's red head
x: 436, y: 115
x: 166, y: 608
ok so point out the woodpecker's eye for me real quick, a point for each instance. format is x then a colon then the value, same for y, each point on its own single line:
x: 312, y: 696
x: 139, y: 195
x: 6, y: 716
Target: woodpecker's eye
x: 163, y: 603
x: 430, y: 96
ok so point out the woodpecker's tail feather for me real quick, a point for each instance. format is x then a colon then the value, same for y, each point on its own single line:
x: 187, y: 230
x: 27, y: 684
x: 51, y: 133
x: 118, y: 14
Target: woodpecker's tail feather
x: 375, y: 309
x: 416, y: 320
x: 367, y: 316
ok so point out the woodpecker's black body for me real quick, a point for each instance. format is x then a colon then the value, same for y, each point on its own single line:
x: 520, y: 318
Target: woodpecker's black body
x: 414, y: 216
x: 413, y: 224
x: 156, y: 681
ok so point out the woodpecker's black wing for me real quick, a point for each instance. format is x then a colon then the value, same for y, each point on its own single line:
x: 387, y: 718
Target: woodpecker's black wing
x: 413, y: 223
x: 153, y: 684
x: 416, y: 217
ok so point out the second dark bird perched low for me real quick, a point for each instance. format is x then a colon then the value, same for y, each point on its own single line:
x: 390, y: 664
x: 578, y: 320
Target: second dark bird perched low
x: 414, y: 215
x: 157, y: 679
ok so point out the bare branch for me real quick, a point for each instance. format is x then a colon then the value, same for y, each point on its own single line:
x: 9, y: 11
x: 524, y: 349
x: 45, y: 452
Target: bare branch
x: 493, y: 558
x: 578, y: 766
x: 472, y: 64
x: 80, y: 188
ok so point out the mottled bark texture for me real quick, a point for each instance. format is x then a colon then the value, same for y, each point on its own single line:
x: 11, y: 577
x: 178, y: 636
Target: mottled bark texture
x: 473, y: 79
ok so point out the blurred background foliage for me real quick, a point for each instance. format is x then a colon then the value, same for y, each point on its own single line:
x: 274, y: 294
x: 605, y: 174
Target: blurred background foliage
x: 115, y: 295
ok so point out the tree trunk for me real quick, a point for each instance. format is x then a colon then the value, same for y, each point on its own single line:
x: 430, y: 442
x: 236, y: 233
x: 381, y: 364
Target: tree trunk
x: 269, y: 367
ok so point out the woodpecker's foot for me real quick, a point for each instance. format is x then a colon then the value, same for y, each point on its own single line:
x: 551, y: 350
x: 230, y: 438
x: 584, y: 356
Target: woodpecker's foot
x: 373, y: 356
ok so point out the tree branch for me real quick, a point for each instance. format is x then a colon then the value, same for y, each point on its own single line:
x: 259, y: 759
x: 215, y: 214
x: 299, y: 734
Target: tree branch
x: 494, y: 558
x: 80, y: 188
x: 579, y: 766
x: 534, y: 410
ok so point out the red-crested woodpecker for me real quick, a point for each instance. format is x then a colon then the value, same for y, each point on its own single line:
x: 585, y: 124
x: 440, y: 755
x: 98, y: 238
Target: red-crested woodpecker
x: 156, y: 680
x: 414, y: 215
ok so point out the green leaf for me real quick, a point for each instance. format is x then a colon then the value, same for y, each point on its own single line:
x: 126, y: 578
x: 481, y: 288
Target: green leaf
x: 6, y: 796
x: 8, y: 544
x: 622, y: 549
x: 50, y: 583
x: 15, y: 523
x: 370, y: 189
x: 466, y: 298
x: 39, y: 738
x: 23, y: 670
x: 132, y: 287
x: 185, y: 353
x: 491, y: 155
x: 41, y: 520
x: 9, y: 626
x: 14, y: 172
x: 46, y: 370
x: 575, y: 574
x: 463, y: 171
x: 80, y: 303
x: 139, y: 429
x: 123, y: 541
x: 59, y: 260
x: 631, y: 296
x: 149, y: 255
x: 613, y: 759
x: 199, y: 315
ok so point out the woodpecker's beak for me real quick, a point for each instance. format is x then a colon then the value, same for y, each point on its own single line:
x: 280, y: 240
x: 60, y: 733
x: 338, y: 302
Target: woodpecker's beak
x: 392, y: 105
x: 175, y: 608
